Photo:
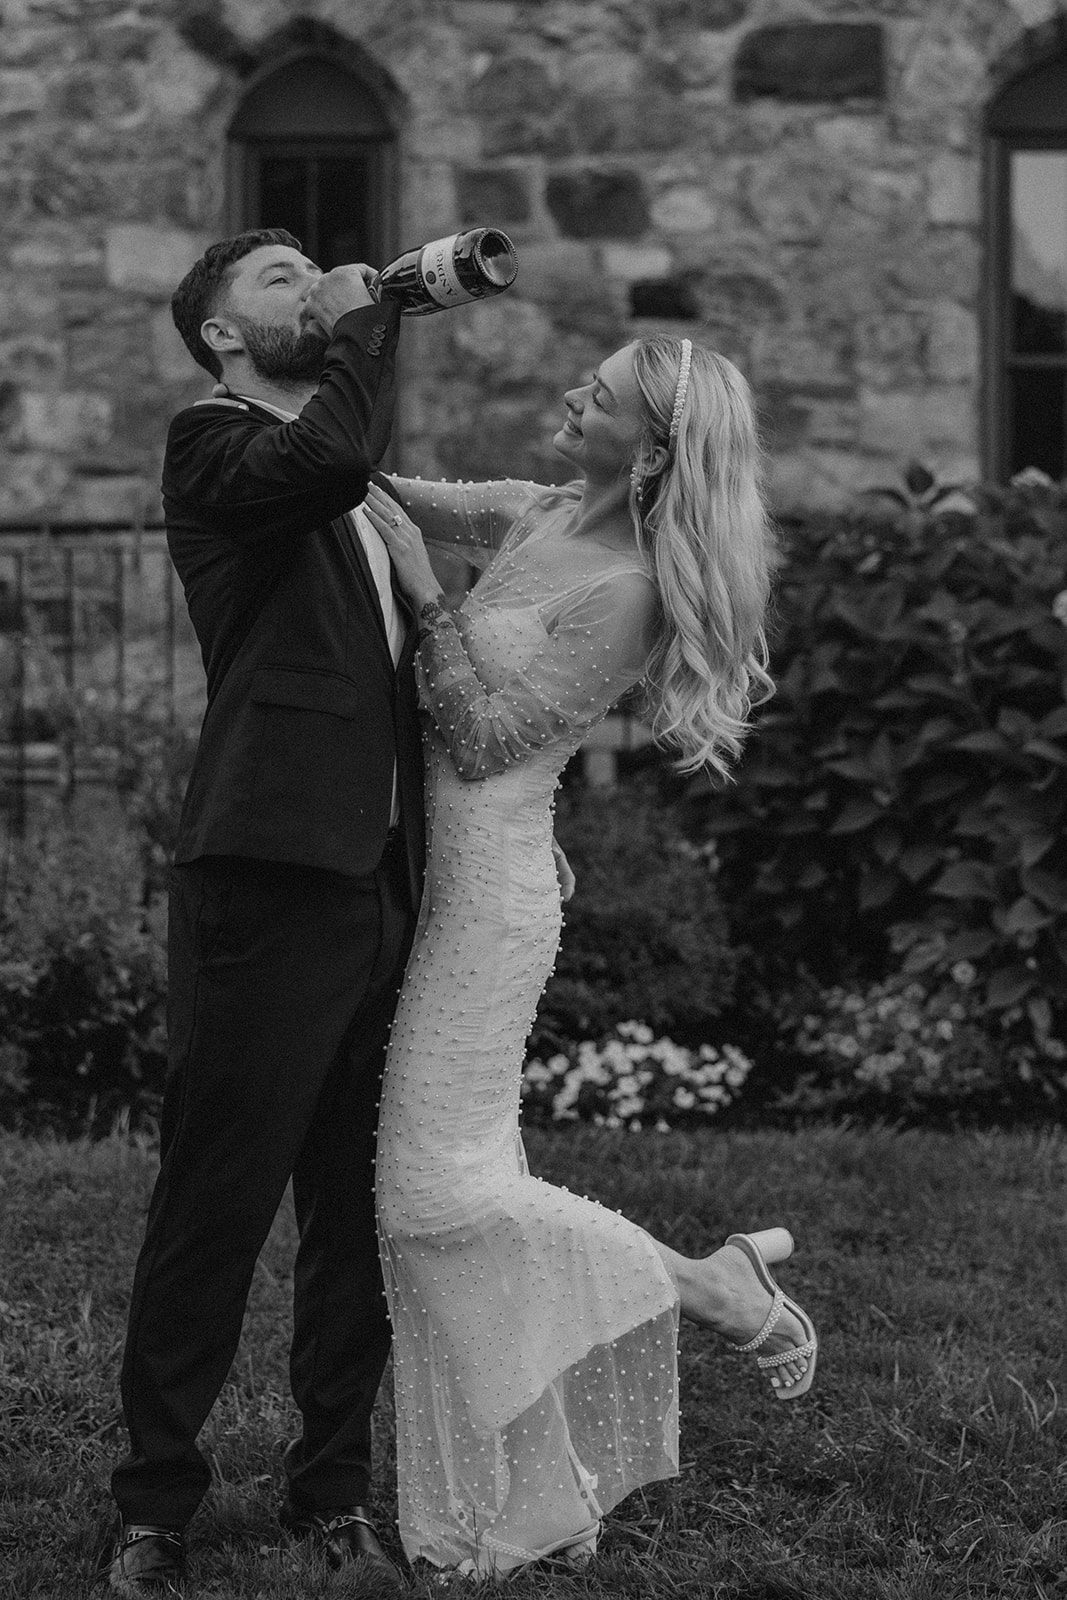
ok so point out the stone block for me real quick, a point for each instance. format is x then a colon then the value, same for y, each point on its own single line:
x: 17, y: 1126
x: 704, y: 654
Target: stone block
x: 497, y: 193
x: 851, y: 136
x: 179, y: 81
x: 784, y: 419
x: 512, y: 84
x: 713, y: 15
x: 884, y: 194
x: 63, y: 422
x: 22, y: 93
x: 125, y: 497
x: 906, y: 424
x: 598, y: 202
x: 945, y: 263
x: 949, y: 416
x: 106, y: 93
x: 630, y: 262
x: 891, y: 423
x: 800, y: 357
x: 565, y: 277
x: 150, y: 260
x: 685, y: 208
x: 511, y: 339
x: 604, y: 72
x: 172, y: 361
x: 889, y: 349
x: 664, y: 300
x: 31, y: 484
x: 810, y: 61
x: 952, y: 343
x: 955, y: 190
x: 31, y: 358
x: 810, y: 479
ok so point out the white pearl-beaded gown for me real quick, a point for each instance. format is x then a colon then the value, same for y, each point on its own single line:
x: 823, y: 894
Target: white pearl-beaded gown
x: 534, y: 1330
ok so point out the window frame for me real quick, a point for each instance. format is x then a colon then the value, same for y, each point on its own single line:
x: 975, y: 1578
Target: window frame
x: 246, y: 156
x: 1001, y: 361
x: 1023, y: 114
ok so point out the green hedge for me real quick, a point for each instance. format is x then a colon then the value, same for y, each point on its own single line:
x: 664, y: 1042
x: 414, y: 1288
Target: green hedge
x: 903, y: 802
x: 82, y: 987
x: 645, y: 938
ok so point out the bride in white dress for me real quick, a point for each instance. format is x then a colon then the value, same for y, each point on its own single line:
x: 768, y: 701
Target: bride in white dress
x: 535, y: 1332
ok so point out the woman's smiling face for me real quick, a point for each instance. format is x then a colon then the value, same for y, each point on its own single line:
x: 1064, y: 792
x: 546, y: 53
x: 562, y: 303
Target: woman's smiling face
x: 605, y: 418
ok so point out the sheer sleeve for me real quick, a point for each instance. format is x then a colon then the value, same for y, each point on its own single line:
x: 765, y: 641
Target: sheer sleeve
x: 596, y: 651
x: 467, y: 519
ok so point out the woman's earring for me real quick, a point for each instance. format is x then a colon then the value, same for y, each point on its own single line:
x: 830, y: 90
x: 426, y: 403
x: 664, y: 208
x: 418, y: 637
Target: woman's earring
x: 636, y: 484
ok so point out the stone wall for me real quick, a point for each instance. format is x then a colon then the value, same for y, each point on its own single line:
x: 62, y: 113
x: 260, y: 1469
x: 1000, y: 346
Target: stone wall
x: 798, y: 183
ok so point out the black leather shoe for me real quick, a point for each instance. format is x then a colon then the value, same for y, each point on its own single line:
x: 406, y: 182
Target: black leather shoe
x: 343, y: 1534
x: 147, y: 1560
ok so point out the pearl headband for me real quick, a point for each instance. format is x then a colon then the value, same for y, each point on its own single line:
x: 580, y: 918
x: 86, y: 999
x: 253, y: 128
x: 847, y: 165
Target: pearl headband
x: 681, y: 391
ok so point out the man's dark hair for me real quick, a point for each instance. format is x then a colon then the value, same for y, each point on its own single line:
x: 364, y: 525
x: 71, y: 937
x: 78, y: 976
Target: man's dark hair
x: 197, y: 296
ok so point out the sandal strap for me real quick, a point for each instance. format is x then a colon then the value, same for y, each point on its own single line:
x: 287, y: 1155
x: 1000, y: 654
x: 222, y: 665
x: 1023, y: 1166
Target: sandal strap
x: 768, y: 1327
x: 799, y: 1352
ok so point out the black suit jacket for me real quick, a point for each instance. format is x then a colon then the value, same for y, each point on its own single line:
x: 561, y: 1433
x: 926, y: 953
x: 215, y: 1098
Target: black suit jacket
x: 305, y: 712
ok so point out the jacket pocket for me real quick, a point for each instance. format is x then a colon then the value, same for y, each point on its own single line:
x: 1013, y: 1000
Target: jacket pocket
x: 305, y: 691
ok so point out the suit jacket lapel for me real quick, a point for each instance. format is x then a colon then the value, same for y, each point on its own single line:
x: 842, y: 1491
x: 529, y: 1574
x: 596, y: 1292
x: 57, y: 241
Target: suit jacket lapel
x: 347, y: 532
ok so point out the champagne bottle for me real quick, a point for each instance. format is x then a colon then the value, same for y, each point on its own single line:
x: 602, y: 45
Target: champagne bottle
x: 450, y: 272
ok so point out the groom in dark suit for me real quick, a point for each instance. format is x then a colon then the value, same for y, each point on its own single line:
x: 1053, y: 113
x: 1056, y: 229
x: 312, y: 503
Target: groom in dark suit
x: 294, y: 890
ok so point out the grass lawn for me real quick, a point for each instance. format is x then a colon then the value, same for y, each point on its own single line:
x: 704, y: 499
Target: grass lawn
x: 930, y: 1463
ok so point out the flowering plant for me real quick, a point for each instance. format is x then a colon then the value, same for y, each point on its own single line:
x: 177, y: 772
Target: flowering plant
x: 632, y: 1079
x: 916, y: 1044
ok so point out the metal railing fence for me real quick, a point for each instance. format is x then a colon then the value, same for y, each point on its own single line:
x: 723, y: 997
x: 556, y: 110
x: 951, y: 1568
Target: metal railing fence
x: 93, y: 631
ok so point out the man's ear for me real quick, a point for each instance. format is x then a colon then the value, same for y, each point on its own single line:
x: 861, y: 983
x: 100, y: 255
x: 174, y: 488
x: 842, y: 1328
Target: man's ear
x: 221, y: 336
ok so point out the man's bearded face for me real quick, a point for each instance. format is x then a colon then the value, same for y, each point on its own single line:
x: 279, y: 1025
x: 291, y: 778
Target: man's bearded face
x: 280, y: 355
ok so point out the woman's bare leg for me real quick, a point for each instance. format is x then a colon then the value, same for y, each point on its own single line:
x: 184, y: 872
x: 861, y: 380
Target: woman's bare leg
x: 722, y: 1292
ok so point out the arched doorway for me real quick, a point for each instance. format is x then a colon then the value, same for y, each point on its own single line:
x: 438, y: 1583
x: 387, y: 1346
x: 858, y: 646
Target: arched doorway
x: 1027, y: 232
x: 312, y: 148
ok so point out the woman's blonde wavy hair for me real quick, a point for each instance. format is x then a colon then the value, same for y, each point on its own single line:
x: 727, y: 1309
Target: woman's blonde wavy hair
x: 703, y: 528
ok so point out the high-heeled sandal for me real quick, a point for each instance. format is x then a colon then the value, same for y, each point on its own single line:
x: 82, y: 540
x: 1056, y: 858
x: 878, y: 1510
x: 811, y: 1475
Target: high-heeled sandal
x: 763, y: 1248
x: 576, y: 1550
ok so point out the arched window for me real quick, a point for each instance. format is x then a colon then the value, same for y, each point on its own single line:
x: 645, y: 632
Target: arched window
x: 1027, y: 388
x: 313, y: 149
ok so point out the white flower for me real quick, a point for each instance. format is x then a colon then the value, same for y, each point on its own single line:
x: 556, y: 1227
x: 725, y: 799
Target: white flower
x: 638, y: 1031
x: 684, y: 1099
x: 1032, y: 478
x: 1059, y: 607
x: 964, y: 972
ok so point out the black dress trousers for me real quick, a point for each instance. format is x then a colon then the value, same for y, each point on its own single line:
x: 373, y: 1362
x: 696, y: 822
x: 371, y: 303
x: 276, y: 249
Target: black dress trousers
x: 283, y: 983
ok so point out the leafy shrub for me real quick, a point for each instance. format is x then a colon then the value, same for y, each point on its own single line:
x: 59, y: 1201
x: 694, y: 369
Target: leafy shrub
x: 153, y: 756
x: 644, y: 935
x: 82, y: 988
x: 912, y: 769
x: 919, y: 1050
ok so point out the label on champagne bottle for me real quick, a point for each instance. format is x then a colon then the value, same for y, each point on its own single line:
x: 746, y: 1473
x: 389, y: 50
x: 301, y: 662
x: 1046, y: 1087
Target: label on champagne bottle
x: 438, y: 273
